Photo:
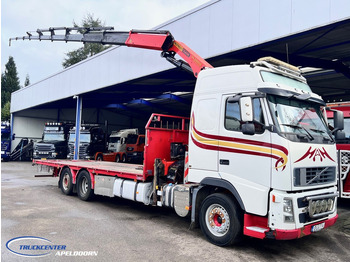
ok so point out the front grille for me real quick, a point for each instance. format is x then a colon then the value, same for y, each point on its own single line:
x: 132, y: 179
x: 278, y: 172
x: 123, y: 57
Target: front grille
x: 312, y: 176
x: 41, y: 147
x: 344, y: 163
x: 83, y: 151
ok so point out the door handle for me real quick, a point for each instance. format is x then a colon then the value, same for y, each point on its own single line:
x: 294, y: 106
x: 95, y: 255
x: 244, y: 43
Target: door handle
x: 224, y: 162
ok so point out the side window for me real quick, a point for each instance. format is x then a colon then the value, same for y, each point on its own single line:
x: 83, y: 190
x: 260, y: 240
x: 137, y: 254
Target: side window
x: 232, y: 116
x: 233, y: 120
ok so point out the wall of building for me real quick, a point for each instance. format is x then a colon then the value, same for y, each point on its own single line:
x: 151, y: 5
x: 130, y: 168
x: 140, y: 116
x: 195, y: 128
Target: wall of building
x: 30, y: 123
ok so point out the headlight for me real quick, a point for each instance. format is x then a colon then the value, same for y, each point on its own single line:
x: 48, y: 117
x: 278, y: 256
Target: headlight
x: 287, y: 205
x: 324, y: 205
x: 312, y: 208
x: 318, y: 206
x: 330, y: 204
x: 288, y: 210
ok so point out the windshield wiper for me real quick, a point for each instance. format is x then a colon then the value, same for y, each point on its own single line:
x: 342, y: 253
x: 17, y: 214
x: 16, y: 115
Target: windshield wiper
x: 300, y: 127
x: 329, y: 137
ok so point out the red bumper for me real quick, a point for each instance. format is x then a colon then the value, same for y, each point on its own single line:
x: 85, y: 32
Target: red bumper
x: 297, y: 233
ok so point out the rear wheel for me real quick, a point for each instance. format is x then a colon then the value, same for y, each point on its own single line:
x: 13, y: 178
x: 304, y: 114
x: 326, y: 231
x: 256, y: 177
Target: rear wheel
x: 220, y: 220
x: 84, y: 189
x: 117, y: 158
x: 124, y: 158
x: 66, y: 182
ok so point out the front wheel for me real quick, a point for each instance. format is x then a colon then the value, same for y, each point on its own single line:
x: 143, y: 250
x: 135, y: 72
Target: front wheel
x: 221, y: 220
x: 84, y: 189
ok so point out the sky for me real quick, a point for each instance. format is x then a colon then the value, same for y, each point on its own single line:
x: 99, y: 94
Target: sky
x: 40, y: 60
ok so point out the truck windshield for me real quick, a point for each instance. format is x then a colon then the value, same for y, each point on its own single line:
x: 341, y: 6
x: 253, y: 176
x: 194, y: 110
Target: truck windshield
x: 84, y: 138
x: 5, y: 136
x: 114, y: 139
x: 298, y: 120
x: 53, y: 137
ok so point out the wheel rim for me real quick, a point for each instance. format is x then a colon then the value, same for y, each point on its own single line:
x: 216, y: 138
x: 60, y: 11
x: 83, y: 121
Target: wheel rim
x: 66, y: 181
x: 84, y: 185
x: 217, y: 220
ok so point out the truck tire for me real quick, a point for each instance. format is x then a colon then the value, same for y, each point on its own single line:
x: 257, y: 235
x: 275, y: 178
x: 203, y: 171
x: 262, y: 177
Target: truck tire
x: 117, y: 159
x: 84, y: 190
x: 99, y: 157
x: 220, y: 220
x: 124, y: 158
x: 66, y: 182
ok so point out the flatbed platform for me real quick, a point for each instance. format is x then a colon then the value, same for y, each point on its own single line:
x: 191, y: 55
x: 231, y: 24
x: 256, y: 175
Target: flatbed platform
x: 123, y: 170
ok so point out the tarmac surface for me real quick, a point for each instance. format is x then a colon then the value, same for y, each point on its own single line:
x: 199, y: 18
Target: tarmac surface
x: 113, y: 229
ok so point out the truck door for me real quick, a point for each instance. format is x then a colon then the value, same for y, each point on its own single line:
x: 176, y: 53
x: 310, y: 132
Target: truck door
x: 245, y: 160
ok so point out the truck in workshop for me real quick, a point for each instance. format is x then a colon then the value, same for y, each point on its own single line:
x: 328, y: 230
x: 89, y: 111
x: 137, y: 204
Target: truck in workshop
x: 342, y: 139
x: 92, y: 140
x: 254, y: 158
x: 5, y: 141
x: 54, y: 143
x: 135, y: 147
x: 117, y: 144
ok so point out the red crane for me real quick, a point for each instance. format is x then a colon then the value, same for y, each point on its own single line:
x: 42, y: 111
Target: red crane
x: 160, y: 40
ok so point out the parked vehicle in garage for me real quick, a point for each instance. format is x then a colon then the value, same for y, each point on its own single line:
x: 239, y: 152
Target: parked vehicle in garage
x: 117, y: 143
x: 117, y: 140
x: 5, y: 141
x: 92, y: 140
x: 254, y: 158
x: 54, y: 142
x: 23, y: 151
x: 343, y: 146
x: 134, y: 148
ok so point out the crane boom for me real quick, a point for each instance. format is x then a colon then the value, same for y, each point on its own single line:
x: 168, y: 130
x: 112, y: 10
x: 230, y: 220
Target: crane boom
x: 160, y: 40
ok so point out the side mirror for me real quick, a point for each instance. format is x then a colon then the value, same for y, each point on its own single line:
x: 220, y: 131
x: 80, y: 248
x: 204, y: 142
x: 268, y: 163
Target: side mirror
x: 246, y: 107
x: 13, y: 136
x: 248, y: 129
x: 338, y: 120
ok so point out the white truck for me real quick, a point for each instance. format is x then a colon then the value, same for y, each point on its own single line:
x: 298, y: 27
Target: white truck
x: 117, y: 146
x: 117, y: 139
x: 255, y: 157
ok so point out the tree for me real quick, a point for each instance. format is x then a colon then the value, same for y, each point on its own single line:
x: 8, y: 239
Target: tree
x: 5, y: 112
x: 27, y: 81
x: 89, y: 49
x: 9, y: 83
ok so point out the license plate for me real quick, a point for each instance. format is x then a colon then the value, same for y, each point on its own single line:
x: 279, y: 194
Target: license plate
x: 2, y: 152
x: 43, y: 159
x: 318, y: 227
x: 135, y: 154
